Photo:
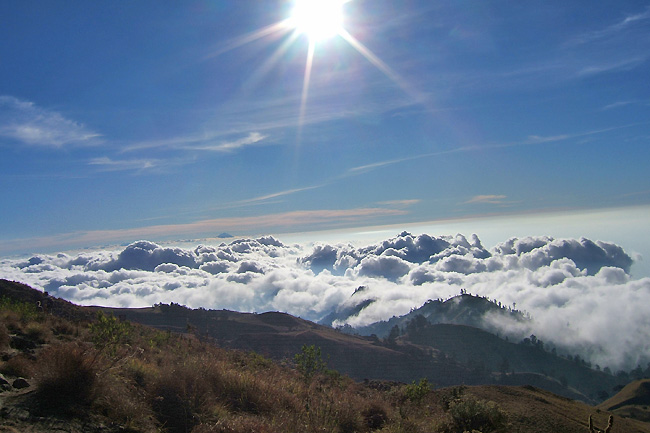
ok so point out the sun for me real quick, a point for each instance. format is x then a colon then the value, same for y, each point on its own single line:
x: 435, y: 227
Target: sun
x: 318, y: 19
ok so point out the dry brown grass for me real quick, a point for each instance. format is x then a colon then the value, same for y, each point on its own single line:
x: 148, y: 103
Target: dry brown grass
x: 38, y: 332
x: 66, y: 378
x: 4, y: 337
x: 20, y: 365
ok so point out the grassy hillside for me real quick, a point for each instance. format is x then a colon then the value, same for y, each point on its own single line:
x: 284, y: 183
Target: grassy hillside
x: 279, y: 336
x: 633, y: 401
x: 72, y: 369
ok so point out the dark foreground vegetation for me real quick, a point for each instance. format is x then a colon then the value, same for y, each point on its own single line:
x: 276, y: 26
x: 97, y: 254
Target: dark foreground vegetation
x: 69, y: 369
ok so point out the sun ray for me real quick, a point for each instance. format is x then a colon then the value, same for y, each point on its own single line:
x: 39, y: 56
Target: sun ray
x: 279, y: 28
x: 379, y: 64
x: 264, y: 69
x: 318, y: 20
x: 305, y: 87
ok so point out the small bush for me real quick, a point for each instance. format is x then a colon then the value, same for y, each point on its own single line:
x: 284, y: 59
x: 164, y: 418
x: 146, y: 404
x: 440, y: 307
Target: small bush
x: 180, y: 395
x: 63, y: 327
x: 117, y: 401
x: 20, y: 365
x: 416, y: 392
x: 108, y: 333
x: 4, y: 337
x: 375, y: 416
x: 141, y: 372
x: 469, y: 413
x: 12, y: 321
x: 348, y: 419
x: 66, y: 377
x: 37, y: 332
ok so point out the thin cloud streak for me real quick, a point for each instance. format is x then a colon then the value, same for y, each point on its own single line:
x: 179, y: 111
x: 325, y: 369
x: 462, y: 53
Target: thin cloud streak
x: 230, y: 146
x: 287, y: 220
x: 279, y: 194
x: 489, y: 199
x: 532, y: 140
x: 108, y: 164
x: 619, y: 104
x: 400, y: 203
x: 622, y: 65
x: 611, y: 30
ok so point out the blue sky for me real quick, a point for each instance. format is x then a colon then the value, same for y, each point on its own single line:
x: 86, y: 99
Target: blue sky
x: 170, y: 120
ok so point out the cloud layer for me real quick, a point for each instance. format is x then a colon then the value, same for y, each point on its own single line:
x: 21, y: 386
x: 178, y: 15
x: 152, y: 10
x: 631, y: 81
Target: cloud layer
x: 578, y: 291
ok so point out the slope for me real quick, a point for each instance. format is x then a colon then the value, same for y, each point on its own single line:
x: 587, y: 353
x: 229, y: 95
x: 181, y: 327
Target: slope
x: 631, y: 402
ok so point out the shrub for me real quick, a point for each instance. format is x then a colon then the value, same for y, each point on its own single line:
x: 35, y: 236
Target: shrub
x: 469, y: 413
x: 66, y: 378
x: 141, y: 372
x: 4, y: 337
x: 12, y: 321
x: 416, y: 392
x: 117, y: 401
x: 180, y: 395
x: 375, y: 416
x: 62, y: 327
x: 108, y: 333
x: 37, y: 332
x: 20, y: 366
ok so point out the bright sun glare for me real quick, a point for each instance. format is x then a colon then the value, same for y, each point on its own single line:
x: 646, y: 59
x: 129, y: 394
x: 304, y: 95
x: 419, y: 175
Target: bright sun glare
x: 318, y: 19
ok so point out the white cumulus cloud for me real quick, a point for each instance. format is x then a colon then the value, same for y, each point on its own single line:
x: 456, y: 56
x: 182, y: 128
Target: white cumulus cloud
x: 578, y: 291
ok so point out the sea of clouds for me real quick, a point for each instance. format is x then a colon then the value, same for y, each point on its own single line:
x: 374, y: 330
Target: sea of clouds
x: 578, y: 291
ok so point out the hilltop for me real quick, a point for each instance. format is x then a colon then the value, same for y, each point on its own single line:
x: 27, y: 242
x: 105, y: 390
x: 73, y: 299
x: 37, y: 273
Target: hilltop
x: 464, y: 309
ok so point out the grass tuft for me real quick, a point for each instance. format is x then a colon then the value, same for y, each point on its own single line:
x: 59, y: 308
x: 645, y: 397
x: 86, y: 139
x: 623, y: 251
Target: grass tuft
x: 66, y: 378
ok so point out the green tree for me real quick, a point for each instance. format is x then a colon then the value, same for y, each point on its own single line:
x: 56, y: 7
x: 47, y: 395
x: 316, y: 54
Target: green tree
x: 309, y: 362
x: 394, y: 333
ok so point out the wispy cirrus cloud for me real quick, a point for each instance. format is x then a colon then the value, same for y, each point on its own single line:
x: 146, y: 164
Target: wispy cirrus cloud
x: 530, y: 140
x: 254, y: 138
x: 614, y: 29
x: 400, y: 203
x: 138, y: 165
x: 28, y: 124
x: 620, y: 65
x: 208, y: 141
x: 619, y: 104
x: 279, y: 194
x: 488, y: 199
x: 107, y: 164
